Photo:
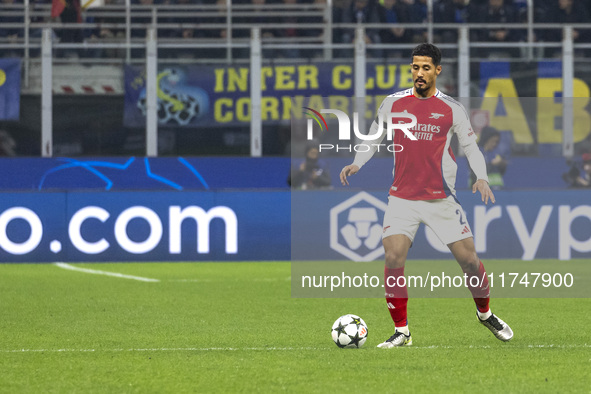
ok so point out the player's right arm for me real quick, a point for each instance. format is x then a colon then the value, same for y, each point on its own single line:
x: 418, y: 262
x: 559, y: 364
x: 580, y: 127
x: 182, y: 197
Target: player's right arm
x: 349, y: 170
x: 363, y: 155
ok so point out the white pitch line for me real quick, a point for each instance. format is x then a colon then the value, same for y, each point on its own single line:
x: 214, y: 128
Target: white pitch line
x: 189, y: 349
x: 106, y: 273
x: 233, y: 349
x: 233, y: 280
x: 192, y: 280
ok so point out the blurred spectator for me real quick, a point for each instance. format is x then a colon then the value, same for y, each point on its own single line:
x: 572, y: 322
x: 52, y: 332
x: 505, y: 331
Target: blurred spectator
x: 395, y: 12
x: 311, y: 173
x: 7, y: 144
x: 289, y: 32
x: 496, y: 11
x: 520, y: 7
x: 218, y: 33
x: 419, y: 15
x: 68, y: 12
x: 92, y: 34
x: 575, y: 178
x: 257, y: 18
x: 541, y: 9
x: 260, y: 8
x: 184, y: 32
x: 338, y: 10
x: 363, y: 12
x: 496, y: 165
x: 11, y: 35
x: 565, y: 11
x: 317, y: 15
x: 107, y: 34
x: 450, y: 11
x: 312, y: 15
x: 38, y: 15
x: 145, y: 18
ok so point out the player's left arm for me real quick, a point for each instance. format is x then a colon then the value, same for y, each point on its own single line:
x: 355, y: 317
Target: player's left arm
x: 467, y: 139
x: 478, y: 165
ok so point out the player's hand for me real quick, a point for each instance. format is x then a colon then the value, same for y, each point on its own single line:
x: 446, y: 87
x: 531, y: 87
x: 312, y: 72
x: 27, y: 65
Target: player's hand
x: 482, y: 186
x: 351, y: 169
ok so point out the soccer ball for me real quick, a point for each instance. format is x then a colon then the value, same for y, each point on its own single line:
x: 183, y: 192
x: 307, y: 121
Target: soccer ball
x: 349, y: 331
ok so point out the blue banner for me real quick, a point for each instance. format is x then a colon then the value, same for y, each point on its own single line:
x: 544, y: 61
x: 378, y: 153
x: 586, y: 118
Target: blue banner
x: 217, y: 173
x: 141, y: 173
x: 201, y: 95
x: 10, y: 89
x: 243, y: 225
x: 521, y: 225
x: 144, y: 226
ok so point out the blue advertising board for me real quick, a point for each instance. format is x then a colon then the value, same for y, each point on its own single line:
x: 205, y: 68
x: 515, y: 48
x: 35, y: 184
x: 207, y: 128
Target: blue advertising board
x: 279, y: 225
x: 144, y: 226
x: 521, y: 225
x: 142, y: 173
x: 219, y: 173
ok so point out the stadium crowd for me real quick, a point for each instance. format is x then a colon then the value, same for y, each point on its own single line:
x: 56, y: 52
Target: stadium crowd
x: 270, y: 12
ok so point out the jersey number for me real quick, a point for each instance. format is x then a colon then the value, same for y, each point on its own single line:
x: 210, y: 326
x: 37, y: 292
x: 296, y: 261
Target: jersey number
x: 459, y: 212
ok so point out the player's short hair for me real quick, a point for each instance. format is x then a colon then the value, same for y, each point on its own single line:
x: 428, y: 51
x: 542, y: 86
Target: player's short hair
x: 429, y: 50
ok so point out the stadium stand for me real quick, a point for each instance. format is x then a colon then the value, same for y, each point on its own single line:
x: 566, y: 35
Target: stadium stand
x: 294, y: 32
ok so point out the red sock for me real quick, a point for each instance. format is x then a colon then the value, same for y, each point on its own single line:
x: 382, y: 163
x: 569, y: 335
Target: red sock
x: 396, y: 296
x: 481, y: 291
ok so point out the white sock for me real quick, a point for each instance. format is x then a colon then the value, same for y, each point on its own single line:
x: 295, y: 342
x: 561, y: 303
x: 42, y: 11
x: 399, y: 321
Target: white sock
x: 484, y: 315
x: 403, y: 330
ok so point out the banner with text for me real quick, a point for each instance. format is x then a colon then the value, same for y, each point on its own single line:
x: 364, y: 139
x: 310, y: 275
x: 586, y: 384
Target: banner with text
x: 540, y: 132
x: 144, y: 226
x: 199, y: 95
x: 346, y: 225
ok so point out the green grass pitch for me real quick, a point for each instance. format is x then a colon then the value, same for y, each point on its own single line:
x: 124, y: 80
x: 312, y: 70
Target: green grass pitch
x: 233, y: 327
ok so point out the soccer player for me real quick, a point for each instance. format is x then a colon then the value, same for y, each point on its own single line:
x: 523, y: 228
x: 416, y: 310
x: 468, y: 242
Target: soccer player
x: 423, y: 190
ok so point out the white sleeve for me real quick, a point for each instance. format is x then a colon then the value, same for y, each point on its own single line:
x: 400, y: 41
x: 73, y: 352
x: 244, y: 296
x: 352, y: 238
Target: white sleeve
x: 364, y: 154
x: 369, y: 148
x: 476, y: 160
x: 467, y: 139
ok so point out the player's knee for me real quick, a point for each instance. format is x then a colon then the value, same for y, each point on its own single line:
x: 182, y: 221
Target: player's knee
x: 394, y: 259
x: 470, y: 262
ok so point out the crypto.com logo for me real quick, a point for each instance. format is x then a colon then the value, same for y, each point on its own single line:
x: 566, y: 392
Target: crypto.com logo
x: 345, y: 130
x: 358, y: 233
x: 107, y: 227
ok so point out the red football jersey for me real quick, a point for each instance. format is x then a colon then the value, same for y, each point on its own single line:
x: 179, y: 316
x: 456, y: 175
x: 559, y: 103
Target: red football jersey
x: 425, y: 169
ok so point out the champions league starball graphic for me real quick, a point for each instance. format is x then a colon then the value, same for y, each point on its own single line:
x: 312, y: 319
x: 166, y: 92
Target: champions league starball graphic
x: 178, y: 103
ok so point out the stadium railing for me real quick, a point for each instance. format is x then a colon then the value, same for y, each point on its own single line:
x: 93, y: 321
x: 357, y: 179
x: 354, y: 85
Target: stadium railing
x: 165, y: 22
x: 227, y: 27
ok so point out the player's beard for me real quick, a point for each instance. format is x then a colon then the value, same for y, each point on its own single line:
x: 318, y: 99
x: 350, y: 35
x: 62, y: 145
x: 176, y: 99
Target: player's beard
x: 421, y: 90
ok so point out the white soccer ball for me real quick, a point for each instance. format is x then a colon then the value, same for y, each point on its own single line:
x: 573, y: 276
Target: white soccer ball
x: 349, y: 331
